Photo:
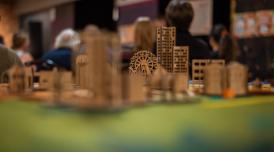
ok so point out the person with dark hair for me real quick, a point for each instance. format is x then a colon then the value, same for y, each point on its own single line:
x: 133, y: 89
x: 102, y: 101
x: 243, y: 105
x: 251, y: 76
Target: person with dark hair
x: 180, y: 14
x: 229, y: 50
x: 2, y: 41
x: 216, y: 34
x: 20, y: 44
x: 224, y: 46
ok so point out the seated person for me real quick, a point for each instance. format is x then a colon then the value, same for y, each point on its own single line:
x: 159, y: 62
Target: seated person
x: 180, y: 14
x: 217, y: 33
x: 223, y: 44
x: 143, y: 40
x: 20, y: 44
x: 8, y: 59
x: 61, y: 56
x: 229, y: 50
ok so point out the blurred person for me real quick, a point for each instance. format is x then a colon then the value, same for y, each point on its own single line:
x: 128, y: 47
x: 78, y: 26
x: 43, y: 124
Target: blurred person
x: 61, y: 55
x: 8, y: 59
x: 20, y: 44
x: 143, y: 40
x: 224, y: 46
x: 180, y: 14
x: 159, y: 22
x: 217, y: 33
x: 228, y: 49
x: 143, y: 34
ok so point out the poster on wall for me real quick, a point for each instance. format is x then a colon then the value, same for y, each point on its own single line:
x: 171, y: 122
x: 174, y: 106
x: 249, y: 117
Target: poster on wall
x: 264, y: 21
x: 202, y: 22
x: 239, y: 25
x: 250, y: 24
x: 254, y: 24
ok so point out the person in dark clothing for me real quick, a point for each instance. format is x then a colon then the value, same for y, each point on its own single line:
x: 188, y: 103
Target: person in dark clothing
x: 229, y: 50
x: 218, y: 32
x: 180, y: 13
x: 223, y: 44
x: 61, y: 56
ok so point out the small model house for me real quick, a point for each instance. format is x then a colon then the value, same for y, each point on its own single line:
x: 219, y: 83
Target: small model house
x: 17, y: 80
x: 237, y: 78
x: 214, y: 83
x: 198, y: 67
x: 219, y: 79
x: 133, y: 89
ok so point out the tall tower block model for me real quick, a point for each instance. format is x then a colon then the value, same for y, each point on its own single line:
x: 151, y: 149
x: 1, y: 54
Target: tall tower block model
x: 116, y: 71
x: 166, y: 39
x: 180, y: 68
x: 98, y: 69
x: 180, y: 59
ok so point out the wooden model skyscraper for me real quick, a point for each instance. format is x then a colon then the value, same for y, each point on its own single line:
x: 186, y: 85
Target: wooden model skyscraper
x: 171, y: 57
x: 98, y: 69
x: 180, y: 59
x: 174, y: 59
x: 166, y: 39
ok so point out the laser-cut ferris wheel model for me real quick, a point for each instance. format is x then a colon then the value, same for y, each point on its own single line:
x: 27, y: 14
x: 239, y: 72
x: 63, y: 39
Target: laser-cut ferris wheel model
x: 143, y: 62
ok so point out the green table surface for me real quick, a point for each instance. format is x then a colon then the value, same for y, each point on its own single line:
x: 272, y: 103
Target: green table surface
x: 238, y: 125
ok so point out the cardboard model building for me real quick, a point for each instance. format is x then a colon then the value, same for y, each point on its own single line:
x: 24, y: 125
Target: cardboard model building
x: 237, y: 77
x: 116, y: 74
x: 158, y: 79
x: 81, y: 75
x: 214, y: 81
x: 166, y: 40
x: 180, y: 68
x: 219, y: 78
x: 174, y: 59
x: 98, y: 70
x: 20, y: 79
x: 198, y: 66
x: 17, y: 80
x: 133, y: 89
x: 179, y: 83
x: 180, y: 59
x: 101, y: 78
x: 143, y: 62
x: 29, y: 73
x: 46, y: 79
x: 57, y: 85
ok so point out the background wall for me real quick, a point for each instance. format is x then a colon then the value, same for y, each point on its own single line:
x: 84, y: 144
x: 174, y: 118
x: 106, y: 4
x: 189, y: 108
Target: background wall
x: 252, y: 21
x: 28, y: 6
x: 8, y: 22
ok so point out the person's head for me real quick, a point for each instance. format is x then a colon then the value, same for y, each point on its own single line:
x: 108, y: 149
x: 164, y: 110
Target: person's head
x: 179, y: 13
x: 20, y: 41
x: 68, y: 38
x: 143, y: 35
x: 2, y: 41
x: 217, y: 33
